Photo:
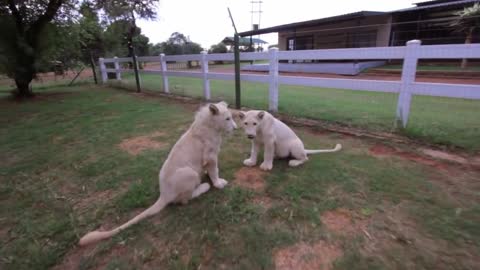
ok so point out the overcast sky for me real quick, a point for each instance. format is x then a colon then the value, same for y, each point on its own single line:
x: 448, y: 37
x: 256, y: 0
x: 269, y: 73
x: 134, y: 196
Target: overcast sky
x: 207, y: 22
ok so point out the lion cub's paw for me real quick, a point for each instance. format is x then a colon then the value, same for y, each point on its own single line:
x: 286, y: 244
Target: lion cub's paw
x: 266, y: 166
x: 220, y: 183
x: 249, y: 162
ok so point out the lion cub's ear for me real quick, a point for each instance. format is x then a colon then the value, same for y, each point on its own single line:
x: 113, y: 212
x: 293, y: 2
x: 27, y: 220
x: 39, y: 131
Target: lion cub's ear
x: 241, y: 115
x: 223, y: 103
x: 213, y: 109
x: 261, y: 115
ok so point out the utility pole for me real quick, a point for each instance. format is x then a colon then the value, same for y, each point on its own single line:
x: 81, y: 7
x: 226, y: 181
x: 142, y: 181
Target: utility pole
x: 237, y: 63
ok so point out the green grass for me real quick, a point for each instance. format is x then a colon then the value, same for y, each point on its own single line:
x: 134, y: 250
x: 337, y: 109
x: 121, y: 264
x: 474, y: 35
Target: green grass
x: 63, y: 174
x: 441, y: 120
x: 7, y: 85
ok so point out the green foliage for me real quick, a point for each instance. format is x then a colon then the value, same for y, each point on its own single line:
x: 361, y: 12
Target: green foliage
x: 36, y: 33
x: 218, y: 48
x: 178, y: 43
x: 467, y: 20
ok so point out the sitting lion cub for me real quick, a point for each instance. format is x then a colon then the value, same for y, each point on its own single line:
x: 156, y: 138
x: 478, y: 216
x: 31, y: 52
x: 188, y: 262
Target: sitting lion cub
x: 278, y: 139
x: 193, y: 154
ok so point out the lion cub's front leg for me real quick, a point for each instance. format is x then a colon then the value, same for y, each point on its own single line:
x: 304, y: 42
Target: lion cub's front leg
x: 268, y: 156
x: 252, y: 160
x: 211, y: 164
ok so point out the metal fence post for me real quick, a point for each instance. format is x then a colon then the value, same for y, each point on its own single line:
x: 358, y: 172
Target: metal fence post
x: 103, y: 70
x: 206, y: 81
x: 135, y: 69
x: 92, y: 65
x: 117, y: 69
x: 163, y: 65
x: 408, y: 77
x: 238, y: 94
x: 273, y: 80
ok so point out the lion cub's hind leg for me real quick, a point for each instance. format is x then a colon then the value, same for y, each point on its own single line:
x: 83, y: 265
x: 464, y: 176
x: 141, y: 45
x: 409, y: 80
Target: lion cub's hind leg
x: 298, y: 153
x: 185, y: 183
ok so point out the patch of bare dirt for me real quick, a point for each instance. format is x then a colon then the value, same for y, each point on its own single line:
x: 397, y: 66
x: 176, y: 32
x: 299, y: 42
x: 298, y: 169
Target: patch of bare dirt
x: 104, y: 196
x: 430, y: 157
x: 445, y: 156
x: 118, y: 251
x: 250, y: 178
x: 137, y: 145
x: 75, y: 256
x: 319, y: 256
x: 341, y: 221
x: 380, y: 150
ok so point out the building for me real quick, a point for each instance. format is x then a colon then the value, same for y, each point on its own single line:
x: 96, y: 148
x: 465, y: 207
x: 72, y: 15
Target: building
x: 427, y: 21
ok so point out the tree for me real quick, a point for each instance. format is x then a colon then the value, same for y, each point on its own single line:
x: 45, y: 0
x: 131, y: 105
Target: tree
x: 467, y: 21
x: 178, y: 43
x: 25, y: 22
x: 128, y: 11
x: 218, y: 48
x: 141, y: 45
x: 26, y: 37
x: 155, y: 49
x: 90, y: 33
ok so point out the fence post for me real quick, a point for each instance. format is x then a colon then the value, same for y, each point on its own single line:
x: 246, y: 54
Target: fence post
x: 236, y: 53
x: 117, y: 69
x: 103, y: 70
x: 92, y: 65
x: 206, y: 81
x: 163, y: 65
x: 135, y: 69
x: 408, y: 77
x: 273, y: 80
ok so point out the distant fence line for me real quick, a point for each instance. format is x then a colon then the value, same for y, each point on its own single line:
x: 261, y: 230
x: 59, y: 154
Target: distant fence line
x: 406, y: 87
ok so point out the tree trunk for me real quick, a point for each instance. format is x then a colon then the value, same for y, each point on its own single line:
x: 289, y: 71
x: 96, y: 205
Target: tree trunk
x: 24, y: 73
x: 468, y: 40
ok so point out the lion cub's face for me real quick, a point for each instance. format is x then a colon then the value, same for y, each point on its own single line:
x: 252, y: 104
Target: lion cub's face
x: 251, y: 121
x: 222, y: 116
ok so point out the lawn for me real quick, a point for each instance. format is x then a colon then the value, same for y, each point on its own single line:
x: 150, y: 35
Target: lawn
x: 371, y: 206
x: 440, y: 120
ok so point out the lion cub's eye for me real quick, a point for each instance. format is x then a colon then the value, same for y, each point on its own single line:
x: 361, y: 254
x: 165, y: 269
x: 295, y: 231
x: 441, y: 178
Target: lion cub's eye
x: 254, y: 124
x: 246, y: 124
x: 228, y: 119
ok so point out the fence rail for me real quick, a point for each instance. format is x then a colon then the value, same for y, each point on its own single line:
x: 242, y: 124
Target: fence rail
x: 406, y: 87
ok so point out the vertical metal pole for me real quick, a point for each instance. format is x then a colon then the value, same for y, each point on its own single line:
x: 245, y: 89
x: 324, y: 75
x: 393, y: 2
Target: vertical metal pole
x: 135, y: 68
x: 92, y: 64
x: 237, y: 72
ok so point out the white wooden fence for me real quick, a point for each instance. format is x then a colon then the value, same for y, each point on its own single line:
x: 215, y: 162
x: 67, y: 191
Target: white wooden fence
x: 406, y: 87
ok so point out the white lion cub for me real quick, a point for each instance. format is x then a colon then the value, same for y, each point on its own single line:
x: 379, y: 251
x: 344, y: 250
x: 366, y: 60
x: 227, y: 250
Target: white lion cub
x: 278, y: 139
x: 193, y: 154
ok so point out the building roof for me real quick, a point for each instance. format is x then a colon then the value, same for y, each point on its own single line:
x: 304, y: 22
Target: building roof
x: 436, y: 4
x: 243, y: 41
x: 360, y: 14
x: 310, y: 23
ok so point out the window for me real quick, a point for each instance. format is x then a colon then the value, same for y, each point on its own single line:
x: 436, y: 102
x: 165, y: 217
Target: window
x: 362, y: 39
x: 300, y: 43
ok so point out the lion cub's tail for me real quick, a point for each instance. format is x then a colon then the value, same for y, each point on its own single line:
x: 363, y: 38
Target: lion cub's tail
x: 96, y: 236
x: 337, y: 148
